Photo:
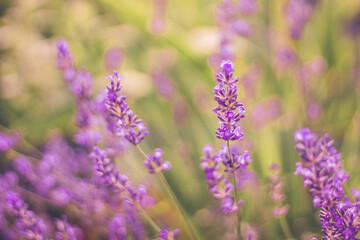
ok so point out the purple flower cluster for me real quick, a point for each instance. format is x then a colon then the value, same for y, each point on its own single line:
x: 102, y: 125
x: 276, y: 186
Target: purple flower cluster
x: 128, y: 124
x: 341, y: 221
x: 298, y: 13
x: 27, y: 223
x: 155, y: 162
x: 112, y: 177
x: 276, y: 192
x: 217, y: 168
x: 80, y: 84
x: 64, y: 230
x: 229, y: 111
x: 322, y: 171
x: 117, y: 228
x: 7, y: 141
x: 321, y: 167
x: 232, y: 22
x: 166, y: 234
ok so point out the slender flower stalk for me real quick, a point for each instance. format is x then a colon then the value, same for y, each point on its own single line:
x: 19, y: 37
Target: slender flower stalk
x: 223, y: 165
x: 171, y: 194
x: 114, y: 179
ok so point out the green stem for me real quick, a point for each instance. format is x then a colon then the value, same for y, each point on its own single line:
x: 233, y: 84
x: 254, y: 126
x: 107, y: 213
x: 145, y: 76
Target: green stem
x: 285, y: 227
x: 173, y: 198
x: 238, y: 216
x: 148, y: 218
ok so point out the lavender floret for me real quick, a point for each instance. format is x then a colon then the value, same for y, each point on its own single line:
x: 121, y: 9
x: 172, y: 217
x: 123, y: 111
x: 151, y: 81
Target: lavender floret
x: 132, y: 128
x: 155, y: 162
x: 27, y: 223
x: 229, y: 111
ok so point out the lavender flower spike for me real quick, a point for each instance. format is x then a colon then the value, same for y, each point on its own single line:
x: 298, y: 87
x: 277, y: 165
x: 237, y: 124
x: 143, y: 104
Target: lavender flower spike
x: 27, y: 224
x: 8, y: 141
x: 166, y: 234
x: 64, y: 230
x: 321, y: 167
x: 155, y: 162
x: 229, y: 111
x: 128, y: 124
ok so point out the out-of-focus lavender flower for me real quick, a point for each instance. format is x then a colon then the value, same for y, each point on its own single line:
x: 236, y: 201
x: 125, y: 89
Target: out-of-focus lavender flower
x: 113, y: 59
x: 229, y: 111
x: 163, y: 85
x: 230, y: 25
x: 112, y: 177
x: 265, y: 112
x: 87, y: 138
x: 65, y: 231
x: 81, y: 86
x: 27, y: 223
x: 250, y: 80
x: 157, y: 22
x: 132, y: 128
x: 314, y: 111
x: 285, y: 59
x: 65, y: 60
x: 7, y: 141
x: 321, y: 167
x: 247, y: 6
x: 298, y: 13
x: 242, y: 27
x: 276, y: 192
x: 117, y: 228
x: 132, y: 219
x: 155, y: 162
x: 166, y: 234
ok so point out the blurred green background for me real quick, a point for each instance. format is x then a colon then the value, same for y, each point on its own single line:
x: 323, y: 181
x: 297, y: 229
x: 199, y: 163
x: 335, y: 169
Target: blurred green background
x: 34, y: 98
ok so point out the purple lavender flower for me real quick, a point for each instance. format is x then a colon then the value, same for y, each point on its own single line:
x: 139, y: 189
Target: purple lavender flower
x: 321, y: 167
x: 65, y: 60
x: 117, y: 228
x: 155, y: 162
x: 166, y: 234
x: 113, y: 59
x: 229, y: 111
x: 65, y: 231
x: 9, y: 140
x: 112, y: 177
x: 298, y: 14
x: 276, y: 192
x: 132, y: 128
x: 340, y: 221
x: 235, y: 161
x: 163, y: 85
x: 215, y: 167
x: 27, y: 223
x: 247, y: 6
